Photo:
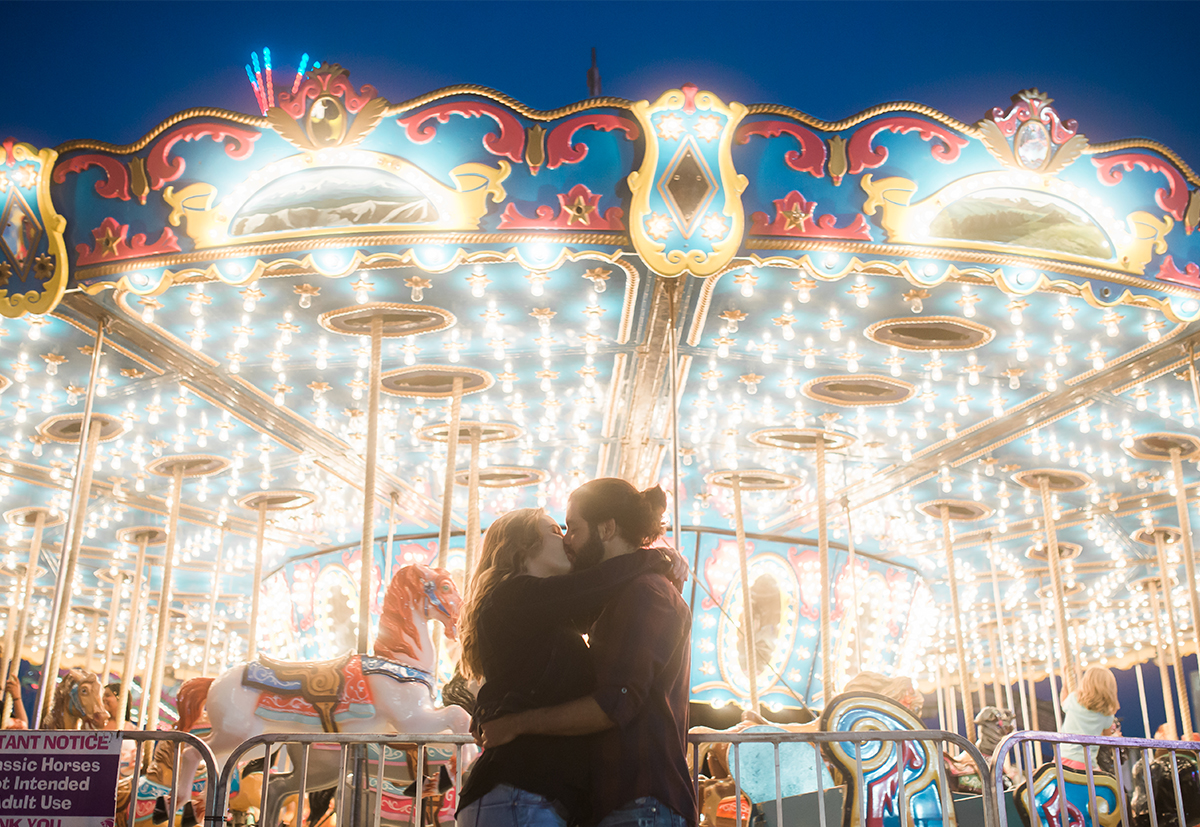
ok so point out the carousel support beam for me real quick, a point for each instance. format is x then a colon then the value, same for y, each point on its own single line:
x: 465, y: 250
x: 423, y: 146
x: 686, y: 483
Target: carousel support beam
x: 1194, y: 379
x: 472, y: 541
x: 1141, y: 682
x: 1164, y: 567
x: 89, y: 650
x: 852, y: 563
x: 1164, y: 679
x: 390, y: 553
x: 110, y: 634
x: 964, y: 676
x: 164, y: 599
x: 212, y: 607
x: 12, y: 652
x: 747, y: 606
x: 367, y: 556
x: 1005, y: 652
x: 260, y: 541
x: 448, y: 486
x: 66, y: 571
x: 1070, y: 670
x: 997, y: 694
x: 1022, y: 694
x: 673, y: 368
x: 1185, y: 530
x: 1050, y: 674
x: 133, y: 631
x: 828, y: 687
x: 941, y: 698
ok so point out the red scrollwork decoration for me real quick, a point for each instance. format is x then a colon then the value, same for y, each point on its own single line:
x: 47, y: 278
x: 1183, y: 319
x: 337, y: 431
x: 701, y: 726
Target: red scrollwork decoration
x: 9, y: 158
x: 812, y: 155
x: 560, y: 148
x: 115, y: 183
x: 1189, y: 275
x: 111, y: 244
x: 163, y: 169
x: 579, y: 207
x: 862, y: 155
x: 333, y: 80
x: 1173, y: 198
x: 508, y: 143
x: 797, y: 218
x: 1032, y: 105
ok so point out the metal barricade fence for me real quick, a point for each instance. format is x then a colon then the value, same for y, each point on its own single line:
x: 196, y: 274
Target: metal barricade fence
x: 213, y: 807
x: 1020, y: 745
x: 300, y: 747
x: 859, y: 739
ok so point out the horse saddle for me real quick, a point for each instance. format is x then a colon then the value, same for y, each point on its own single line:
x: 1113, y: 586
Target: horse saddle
x: 1053, y: 806
x: 320, y: 683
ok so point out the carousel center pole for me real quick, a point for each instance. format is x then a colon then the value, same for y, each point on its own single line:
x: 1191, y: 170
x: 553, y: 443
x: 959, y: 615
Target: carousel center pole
x: 964, y: 677
x: 1005, y: 658
x: 164, y: 599
x: 212, y: 607
x: 1141, y: 682
x: 16, y: 643
x: 133, y: 631
x: 448, y: 485
x: 747, y: 606
x: 828, y: 687
x: 1188, y: 554
x: 80, y: 490
x: 1070, y: 674
x: 110, y: 634
x: 1164, y: 679
x: 1173, y: 631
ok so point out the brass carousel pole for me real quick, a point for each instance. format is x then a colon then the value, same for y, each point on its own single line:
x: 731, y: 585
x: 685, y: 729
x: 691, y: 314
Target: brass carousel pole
x: 1070, y: 672
x: 448, y: 485
x: 852, y: 563
x: 964, y: 676
x: 110, y: 634
x: 260, y: 540
x: 367, y: 555
x: 212, y: 607
x: 41, y: 519
x: 1000, y: 629
x: 144, y: 537
x: 391, y: 530
x: 1185, y: 707
x: 1188, y: 554
x: 827, y: 678
x: 80, y: 490
x: 90, y: 650
x: 747, y: 606
x: 1164, y: 679
x: 472, y: 544
x: 164, y: 599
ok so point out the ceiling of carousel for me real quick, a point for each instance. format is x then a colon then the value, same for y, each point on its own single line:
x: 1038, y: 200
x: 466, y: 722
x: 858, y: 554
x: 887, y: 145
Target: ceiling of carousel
x: 971, y: 310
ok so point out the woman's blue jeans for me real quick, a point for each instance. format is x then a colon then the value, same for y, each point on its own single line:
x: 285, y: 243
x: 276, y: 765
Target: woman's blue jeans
x: 506, y: 806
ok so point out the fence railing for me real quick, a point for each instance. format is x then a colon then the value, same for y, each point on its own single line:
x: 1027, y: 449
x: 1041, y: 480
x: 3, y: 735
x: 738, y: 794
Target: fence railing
x: 213, y: 805
x: 351, y: 781
x: 1021, y: 747
x: 736, y: 740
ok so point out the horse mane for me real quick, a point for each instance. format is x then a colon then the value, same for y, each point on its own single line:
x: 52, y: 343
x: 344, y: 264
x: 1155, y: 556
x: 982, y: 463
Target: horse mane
x: 55, y: 718
x: 398, y: 636
x: 190, y: 701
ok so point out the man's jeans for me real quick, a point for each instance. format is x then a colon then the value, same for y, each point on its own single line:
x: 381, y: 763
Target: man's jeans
x: 644, y: 812
x: 506, y: 806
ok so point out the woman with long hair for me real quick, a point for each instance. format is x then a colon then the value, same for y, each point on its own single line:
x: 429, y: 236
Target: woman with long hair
x: 521, y: 632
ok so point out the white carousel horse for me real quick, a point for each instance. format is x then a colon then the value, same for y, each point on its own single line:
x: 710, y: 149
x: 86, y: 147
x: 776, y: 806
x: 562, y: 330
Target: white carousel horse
x: 398, y: 679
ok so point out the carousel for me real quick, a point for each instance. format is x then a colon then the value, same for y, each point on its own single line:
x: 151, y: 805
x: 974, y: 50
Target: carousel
x: 922, y: 392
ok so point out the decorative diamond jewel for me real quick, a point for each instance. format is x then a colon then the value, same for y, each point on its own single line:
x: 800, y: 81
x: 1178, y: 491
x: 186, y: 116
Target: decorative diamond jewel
x: 1032, y: 144
x: 687, y: 185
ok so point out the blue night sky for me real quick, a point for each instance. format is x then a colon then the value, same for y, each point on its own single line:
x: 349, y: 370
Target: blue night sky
x: 112, y: 70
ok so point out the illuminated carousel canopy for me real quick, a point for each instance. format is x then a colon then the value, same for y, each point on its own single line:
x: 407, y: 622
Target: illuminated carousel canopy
x: 964, y: 304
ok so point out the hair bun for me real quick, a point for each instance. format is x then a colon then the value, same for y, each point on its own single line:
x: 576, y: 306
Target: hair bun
x: 655, y: 499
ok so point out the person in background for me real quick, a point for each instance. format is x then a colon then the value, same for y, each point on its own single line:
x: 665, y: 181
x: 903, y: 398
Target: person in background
x: 1089, y: 710
x: 19, y: 719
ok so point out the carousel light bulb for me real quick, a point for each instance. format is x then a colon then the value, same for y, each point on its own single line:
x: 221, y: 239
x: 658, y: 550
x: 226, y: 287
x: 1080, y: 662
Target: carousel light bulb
x: 722, y: 350
x: 748, y: 288
x: 788, y: 332
x: 916, y: 305
x: 305, y: 300
x: 148, y: 314
x: 1141, y: 403
x: 361, y: 296
x: 1022, y: 354
x: 852, y: 365
x: 1153, y: 334
x: 1014, y: 382
x: 1017, y: 317
x: 1060, y: 358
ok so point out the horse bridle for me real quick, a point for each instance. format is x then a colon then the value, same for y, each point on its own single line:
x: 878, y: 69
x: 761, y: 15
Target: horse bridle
x: 74, y: 705
x: 432, y: 599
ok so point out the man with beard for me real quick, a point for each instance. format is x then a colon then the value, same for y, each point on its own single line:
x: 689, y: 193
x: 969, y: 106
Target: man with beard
x: 641, y: 647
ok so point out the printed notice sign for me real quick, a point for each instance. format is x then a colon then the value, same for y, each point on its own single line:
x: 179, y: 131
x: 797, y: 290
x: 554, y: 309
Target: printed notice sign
x: 50, y: 778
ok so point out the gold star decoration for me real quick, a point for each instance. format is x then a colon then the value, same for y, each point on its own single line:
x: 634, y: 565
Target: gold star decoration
x: 658, y: 226
x: 797, y: 216
x: 5, y: 273
x: 107, y: 243
x: 714, y: 227
x: 579, y: 211
x: 43, y: 267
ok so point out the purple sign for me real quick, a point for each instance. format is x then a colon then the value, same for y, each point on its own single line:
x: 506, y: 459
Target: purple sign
x: 50, y: 778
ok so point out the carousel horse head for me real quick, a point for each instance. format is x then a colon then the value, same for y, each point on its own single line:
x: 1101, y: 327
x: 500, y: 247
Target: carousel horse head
x: 416, y: 594
x: 78, y: 699
x: 993, y: 724
x: 900, y: 689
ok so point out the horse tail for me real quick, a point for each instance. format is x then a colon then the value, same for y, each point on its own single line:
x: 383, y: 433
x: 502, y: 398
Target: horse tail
x: 190, y: 700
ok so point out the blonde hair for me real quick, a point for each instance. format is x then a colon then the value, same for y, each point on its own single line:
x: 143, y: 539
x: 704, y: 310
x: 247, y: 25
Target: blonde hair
x: 507, y: 547
x: 1098, y: 691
